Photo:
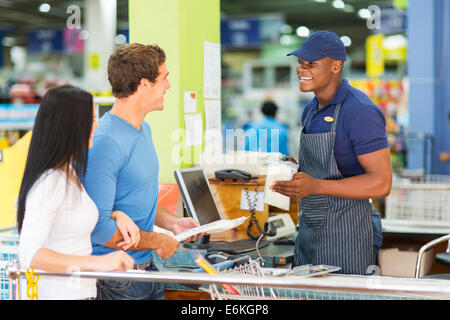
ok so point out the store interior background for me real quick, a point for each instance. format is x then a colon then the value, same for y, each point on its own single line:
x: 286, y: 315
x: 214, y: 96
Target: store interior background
x: 405, y: 72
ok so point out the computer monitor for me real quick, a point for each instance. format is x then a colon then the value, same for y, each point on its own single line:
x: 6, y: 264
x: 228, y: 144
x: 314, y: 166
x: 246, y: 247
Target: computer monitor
x: 201, y: 205
x: 197, y: 195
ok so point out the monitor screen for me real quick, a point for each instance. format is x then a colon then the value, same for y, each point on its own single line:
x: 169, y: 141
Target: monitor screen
x: 197, y: 195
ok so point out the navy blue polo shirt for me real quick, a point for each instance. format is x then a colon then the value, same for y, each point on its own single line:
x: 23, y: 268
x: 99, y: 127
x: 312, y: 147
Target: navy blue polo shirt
x: 361, y: 126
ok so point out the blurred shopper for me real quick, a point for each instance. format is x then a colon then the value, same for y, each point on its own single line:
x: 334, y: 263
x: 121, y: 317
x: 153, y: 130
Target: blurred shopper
x: 123, y: 168
x: 445, y: 155
x: 55, y: 214
x: 344, y: 161
x: 267, y: 135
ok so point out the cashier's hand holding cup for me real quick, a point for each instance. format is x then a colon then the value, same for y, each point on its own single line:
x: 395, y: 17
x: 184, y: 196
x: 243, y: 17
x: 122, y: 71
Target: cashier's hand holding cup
x: 300, y: 186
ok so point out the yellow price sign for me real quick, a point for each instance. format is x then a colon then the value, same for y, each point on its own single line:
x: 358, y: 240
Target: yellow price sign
x: 94, y: 61
x: 374, y: 55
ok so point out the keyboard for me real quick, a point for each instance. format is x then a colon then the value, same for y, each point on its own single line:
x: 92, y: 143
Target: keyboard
x: 230, y: 247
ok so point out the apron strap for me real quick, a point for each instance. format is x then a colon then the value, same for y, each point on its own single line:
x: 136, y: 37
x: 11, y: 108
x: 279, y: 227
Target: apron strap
x: 333, y: 130
x: 336, y: 115
x: 306, y: 120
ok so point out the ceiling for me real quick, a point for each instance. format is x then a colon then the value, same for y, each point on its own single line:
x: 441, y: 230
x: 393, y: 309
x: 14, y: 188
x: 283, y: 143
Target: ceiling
x: 314, y: 15
x: 23, y: 14
x: 20, y: 15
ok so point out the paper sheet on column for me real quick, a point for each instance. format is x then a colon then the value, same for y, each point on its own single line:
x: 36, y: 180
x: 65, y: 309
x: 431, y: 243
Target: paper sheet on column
x: 213, y: 128
x: 213, y: 116
x: 211, y: 70
x: 190, y: 102
x: 194, y: 129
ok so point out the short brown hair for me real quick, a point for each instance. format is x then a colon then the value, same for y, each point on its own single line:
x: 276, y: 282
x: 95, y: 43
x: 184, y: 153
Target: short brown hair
x: 130, y: 63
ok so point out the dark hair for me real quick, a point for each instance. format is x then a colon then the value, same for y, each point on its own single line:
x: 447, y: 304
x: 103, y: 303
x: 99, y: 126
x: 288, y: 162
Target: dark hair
x: 269, y: 109
x: 130, y: 63
x: 60, y: 138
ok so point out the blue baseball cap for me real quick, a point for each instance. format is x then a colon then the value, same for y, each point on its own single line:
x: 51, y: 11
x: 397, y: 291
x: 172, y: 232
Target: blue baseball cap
x: 319, y: 45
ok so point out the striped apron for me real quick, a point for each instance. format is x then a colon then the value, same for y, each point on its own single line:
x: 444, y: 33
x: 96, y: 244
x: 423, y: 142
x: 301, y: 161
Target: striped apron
x: 332, y: 230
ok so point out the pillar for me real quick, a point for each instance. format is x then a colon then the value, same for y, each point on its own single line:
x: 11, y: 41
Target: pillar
x: 429, y: 76
x: 101, y: 24
x: 180, y: 27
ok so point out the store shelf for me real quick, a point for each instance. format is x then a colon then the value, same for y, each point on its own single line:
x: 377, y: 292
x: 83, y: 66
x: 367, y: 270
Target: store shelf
x: 413, y: 227
x: 17, y: 126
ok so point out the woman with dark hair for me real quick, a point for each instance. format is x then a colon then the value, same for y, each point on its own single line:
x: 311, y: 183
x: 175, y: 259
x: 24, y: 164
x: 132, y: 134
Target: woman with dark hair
x: 55, y: 215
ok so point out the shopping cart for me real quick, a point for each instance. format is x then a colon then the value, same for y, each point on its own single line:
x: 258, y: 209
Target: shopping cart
x: 262, y: 292
x: 9, y: 240
x: 419, y: 200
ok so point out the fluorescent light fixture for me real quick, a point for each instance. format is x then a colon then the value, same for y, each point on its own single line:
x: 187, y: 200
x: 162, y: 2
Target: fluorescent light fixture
x: 303, y: 31
x: 364, y: 13
x: 44, y: 7
x: 338, y: 4
x: 346, y: 40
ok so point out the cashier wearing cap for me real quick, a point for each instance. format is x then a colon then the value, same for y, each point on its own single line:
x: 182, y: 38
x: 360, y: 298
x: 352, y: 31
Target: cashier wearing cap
x: 344, y: 161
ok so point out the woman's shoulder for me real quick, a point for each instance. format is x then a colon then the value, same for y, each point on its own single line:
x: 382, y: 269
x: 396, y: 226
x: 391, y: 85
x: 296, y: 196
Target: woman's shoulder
x: 50, y: 180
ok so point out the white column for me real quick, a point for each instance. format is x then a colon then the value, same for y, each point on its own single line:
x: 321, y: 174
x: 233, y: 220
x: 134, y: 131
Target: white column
x: 100, y: 23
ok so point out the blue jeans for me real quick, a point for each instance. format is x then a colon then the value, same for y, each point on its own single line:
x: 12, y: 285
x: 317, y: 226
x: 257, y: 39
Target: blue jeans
x: 130, y: 290
x: 377, y: 230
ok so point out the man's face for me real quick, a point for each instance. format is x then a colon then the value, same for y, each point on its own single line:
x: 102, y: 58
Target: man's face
x: 158, y: 88
x: 315, y: 75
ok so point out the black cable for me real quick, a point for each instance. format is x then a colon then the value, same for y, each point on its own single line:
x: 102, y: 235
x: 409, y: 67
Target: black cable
x: 252, y: 207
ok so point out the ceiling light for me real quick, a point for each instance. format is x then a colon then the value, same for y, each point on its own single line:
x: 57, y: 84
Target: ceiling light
x: 338, y: 4
x: 303, y: 31
x: 44, y: 7
x: 8, y: 41
x: 395, y: 42
x: 346, y: 40
x: 349, y: 8
x: 364, y: 13
x: 84, y: 35
x: 121, y: 39
x: 286, y: 29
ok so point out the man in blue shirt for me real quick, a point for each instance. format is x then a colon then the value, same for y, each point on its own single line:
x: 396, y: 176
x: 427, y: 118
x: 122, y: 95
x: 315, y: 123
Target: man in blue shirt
x: 123, y: 168
x: 344, y: 161
x: 267, y: 135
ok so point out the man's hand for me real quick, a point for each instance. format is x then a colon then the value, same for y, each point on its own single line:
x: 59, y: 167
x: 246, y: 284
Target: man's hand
x: 164, y: 245
x: 183, y: 224
x: 301, y: 185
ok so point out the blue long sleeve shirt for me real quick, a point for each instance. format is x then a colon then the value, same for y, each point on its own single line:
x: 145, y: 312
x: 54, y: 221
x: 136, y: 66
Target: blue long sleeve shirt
x: 122, y: 174
x: 267, y: 135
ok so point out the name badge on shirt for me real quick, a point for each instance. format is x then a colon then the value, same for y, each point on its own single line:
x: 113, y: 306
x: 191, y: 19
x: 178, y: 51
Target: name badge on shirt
x: 328, y: 119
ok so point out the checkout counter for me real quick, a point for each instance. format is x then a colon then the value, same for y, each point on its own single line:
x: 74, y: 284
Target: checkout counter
x: 397, y: 258
x: 208, y: 199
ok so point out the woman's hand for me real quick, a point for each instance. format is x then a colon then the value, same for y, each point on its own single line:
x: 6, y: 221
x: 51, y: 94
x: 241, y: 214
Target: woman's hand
x: 129, y: 230
x: 114, y: 261
x: 301, y: 185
